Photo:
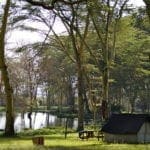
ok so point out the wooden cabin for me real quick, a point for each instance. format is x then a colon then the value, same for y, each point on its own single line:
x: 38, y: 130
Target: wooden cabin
x: 127, y: 128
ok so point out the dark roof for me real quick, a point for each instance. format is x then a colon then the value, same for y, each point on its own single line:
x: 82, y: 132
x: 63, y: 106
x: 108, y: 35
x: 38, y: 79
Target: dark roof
x: 125, y: 123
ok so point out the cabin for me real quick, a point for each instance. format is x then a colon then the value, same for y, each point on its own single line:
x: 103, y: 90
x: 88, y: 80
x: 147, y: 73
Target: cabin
x: 127, y: 128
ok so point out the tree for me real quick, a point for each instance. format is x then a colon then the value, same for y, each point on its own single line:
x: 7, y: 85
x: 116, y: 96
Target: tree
x: 147, y: 2
x: 141, y: 23
x: 130, y: 70
x: 9, y: 128
x: 71, y: 22
x: 105, y: 16
x: 57, y: 71
x: 32, y: 78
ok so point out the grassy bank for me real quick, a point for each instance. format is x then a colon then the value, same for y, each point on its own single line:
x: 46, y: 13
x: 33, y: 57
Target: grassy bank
x: 58, y: 142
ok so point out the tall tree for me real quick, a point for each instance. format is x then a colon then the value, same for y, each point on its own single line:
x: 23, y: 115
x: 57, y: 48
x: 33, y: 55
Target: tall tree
x: 9, y: 128
x: 105, y: 15
x: 77, y: 30
x: 67, y: 11
x: 131, y: 66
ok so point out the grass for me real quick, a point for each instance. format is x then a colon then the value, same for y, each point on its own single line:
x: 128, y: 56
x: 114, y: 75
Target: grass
x: 58, y: 142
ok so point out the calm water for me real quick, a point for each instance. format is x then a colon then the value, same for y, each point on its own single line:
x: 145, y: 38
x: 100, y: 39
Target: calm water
x: 39, y: 120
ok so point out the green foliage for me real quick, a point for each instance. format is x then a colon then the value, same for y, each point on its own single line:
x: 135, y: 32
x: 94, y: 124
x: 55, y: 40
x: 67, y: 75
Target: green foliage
x: 141, y: 21
x: 116, y: 108
x: 44, y: 131
x: 30, y: 132
x: 2, y: 108
x: 131, y: 68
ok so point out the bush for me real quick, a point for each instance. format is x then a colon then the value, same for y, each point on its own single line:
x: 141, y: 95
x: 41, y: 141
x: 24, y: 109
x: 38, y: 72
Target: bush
x: 44, y: 131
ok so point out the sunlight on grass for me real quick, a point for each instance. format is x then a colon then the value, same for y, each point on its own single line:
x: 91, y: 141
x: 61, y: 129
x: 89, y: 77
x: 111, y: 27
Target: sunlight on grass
x: 58, y: 142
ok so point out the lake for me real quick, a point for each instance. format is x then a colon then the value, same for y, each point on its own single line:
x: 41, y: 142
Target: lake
x: 39, y: 120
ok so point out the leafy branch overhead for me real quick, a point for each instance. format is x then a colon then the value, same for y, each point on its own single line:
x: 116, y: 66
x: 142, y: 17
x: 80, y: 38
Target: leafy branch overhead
x: 51, y: 4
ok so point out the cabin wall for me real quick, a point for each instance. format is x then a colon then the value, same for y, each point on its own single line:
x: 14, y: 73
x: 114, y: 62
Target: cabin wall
x: 144, y: 133
x: 120, y: 138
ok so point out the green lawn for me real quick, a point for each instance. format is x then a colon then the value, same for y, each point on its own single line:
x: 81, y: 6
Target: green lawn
x: 58, y: 142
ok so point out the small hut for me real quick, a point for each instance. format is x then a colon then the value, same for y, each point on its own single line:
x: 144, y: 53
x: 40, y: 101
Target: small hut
x: 127, y: 128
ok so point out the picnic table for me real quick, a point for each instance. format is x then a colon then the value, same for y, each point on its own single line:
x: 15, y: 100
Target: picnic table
x: 86, y: 134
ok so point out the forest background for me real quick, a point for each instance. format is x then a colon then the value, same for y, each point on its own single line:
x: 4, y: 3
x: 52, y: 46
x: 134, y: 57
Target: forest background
x: 99, y: 65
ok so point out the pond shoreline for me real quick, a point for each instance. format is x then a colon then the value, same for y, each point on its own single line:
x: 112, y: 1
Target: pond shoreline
x: 39, y: 120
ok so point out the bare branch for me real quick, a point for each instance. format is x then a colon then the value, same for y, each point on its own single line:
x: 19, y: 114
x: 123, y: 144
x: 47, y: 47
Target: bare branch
x: 122, y: 8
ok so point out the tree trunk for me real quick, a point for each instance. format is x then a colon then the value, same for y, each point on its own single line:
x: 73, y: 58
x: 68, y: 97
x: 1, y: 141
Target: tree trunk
x: 105, y: 93
x: 105, y: 73
x: 48, y: 98
x: 71, y: 96
x: 105, y: 77
x: 9, y: 128
x: 78, y: 54
x: 87, y: 109
x: 80, y: 99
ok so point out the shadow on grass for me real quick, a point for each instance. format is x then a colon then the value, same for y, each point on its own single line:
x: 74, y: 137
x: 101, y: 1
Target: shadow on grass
x: 85, y: 147
x: 69, y: 148
x: 62, y: 137
x: 94, y: 147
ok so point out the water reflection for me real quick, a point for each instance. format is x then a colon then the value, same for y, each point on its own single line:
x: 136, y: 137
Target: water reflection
x: 2, y: 120
x: 39, y: 120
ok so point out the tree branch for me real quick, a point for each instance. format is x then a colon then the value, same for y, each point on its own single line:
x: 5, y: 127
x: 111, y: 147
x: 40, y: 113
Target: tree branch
x: 51, y: 6
x: 42, y: 4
